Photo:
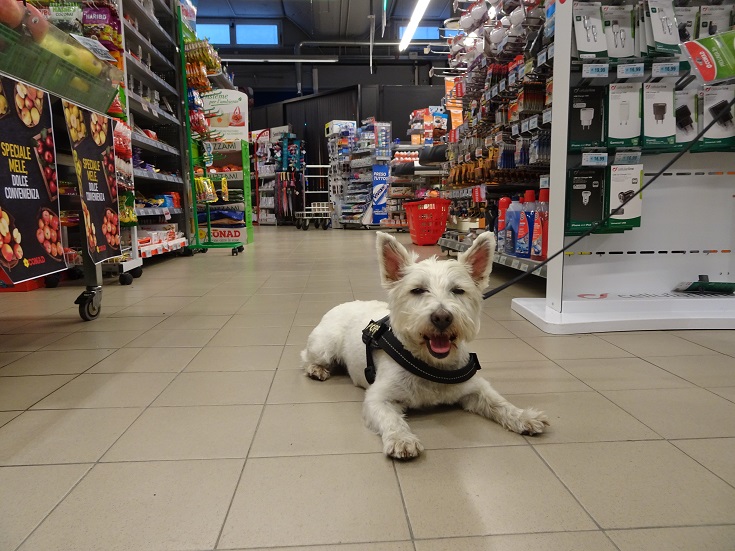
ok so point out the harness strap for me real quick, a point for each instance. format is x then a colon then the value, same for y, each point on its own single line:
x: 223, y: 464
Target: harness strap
x: 379, y: 335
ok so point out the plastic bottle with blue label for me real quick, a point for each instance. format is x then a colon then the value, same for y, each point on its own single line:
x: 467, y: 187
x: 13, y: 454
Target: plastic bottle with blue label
x: 512, y: 218
x: 503, y: 205
x: 524, y: 234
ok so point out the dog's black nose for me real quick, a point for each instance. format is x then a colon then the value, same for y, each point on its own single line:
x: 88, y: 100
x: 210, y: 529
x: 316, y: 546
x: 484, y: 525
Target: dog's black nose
x: 441, y: 319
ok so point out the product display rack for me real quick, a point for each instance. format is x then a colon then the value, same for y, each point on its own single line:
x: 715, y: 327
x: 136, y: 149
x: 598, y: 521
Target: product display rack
x: 341, y: 137
x: 372, y: 148
x: 238, y: 200
x: 154, y: 94
x: 625, y: 281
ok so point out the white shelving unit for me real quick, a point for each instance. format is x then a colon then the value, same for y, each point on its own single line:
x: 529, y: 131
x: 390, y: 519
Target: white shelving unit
x: 625, y: 282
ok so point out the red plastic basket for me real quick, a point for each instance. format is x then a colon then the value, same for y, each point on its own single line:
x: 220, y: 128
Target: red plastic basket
x: 427, y: 220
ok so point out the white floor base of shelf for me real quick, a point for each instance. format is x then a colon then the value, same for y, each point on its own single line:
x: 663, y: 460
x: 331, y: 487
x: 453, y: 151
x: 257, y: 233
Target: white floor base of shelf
x: 642, y: 314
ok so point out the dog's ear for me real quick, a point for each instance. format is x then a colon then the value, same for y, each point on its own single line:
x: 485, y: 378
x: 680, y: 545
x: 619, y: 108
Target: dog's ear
x: 478, y: 259
x: 392, y: 258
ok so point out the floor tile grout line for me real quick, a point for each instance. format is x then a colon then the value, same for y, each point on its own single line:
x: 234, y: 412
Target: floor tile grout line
x: 244, y: 464
x: 403, y: 502
x: 677, y: 448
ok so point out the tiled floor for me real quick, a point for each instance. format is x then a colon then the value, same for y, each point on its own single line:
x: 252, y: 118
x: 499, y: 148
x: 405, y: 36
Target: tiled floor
x: 179, y: 421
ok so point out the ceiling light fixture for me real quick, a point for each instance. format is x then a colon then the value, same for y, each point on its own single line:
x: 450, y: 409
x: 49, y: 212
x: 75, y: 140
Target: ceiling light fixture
x: 418, y: 14
x: 307, y: 59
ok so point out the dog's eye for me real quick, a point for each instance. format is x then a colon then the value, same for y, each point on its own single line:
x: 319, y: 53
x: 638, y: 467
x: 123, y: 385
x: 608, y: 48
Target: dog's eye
x: 458, y: 291
x: 418, y: 291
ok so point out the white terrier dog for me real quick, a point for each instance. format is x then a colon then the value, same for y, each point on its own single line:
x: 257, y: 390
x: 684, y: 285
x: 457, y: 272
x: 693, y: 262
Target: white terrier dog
x: 435, y: 309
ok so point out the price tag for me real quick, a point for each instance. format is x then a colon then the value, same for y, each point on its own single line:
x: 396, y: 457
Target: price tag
x: 542, y: 57
x: 489, y: 141
x: 494, y: 91
x: 499, y: 137
x: 546, y: 117
x: 483, y: 62
x: 502, y: 85
x: 533, y: 123
x: 543, y: 182
x: 524, y: 126
x: 630, y: 70
x: 478, y: 153
x: 627, y: 158
x: 515, y: 264
x: 467, y: 157
x: 488, y: 95
x: 511, y: 79
x: 502, y: 44
x: 514, y: 130
x: 522, y: 71
x: 594, y: 159
x: 166, y: 214
x: 144, y: 105
x: 595, y: 70
x: 550, y: 51
x: 524, y: 267
x: 665, y: 70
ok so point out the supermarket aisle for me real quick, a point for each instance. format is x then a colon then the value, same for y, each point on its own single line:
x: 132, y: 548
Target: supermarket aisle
x: 180, y: 421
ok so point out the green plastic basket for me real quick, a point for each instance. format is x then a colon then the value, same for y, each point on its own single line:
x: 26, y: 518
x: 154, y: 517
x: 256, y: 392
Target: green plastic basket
x: 21, y: 58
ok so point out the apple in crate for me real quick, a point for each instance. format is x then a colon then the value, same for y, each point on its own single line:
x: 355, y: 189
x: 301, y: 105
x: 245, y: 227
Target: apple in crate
x: 11, y: 13
x: 35, y: 23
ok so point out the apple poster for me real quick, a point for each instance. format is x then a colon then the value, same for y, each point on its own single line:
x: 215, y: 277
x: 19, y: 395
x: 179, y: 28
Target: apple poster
x: 90, y: 135
x: 30, y: 229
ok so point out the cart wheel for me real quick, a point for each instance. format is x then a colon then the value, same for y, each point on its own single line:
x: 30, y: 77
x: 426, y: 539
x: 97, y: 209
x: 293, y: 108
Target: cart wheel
x: 204, y: 250
x: 136, y: 272
x: 240, y: 249
x: 187, y: 252
x: 234, y: 251
x: 87, y: 310
x: 52, y: 281
x: 298, y: 223
x: 125, y: 278
x: 305, y: 225
x: 325, y: 224
x: 317, y: 223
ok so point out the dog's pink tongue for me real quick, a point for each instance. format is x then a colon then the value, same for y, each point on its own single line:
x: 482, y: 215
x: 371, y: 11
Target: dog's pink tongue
x: 440, y: 345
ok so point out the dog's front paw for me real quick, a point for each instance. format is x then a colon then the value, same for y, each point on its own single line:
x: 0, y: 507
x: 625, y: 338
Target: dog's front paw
x: 317, y: 372
x: 406, y: 446
x: 531, y: 421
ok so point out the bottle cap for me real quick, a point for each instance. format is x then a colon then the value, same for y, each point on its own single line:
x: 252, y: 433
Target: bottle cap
x: 543, y: 195
x: 504, y: 202
x: 530, y: 196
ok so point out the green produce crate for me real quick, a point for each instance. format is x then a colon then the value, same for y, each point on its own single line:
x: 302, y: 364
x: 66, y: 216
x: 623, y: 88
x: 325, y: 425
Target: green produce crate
x: 21, y: 58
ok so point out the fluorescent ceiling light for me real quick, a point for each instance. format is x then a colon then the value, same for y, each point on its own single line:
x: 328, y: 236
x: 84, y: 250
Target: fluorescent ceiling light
x: 418, y: 14
x: 307, y: 59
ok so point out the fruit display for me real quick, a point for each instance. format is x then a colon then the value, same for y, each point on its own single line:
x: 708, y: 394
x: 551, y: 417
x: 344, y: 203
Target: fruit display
x: 75, y: 122
x: 108, y: 166
x: 99, y: 125
x: 89, y: 227
x: 45, y: 154
x: 3, y: 102
x: 11, y: 13
x: 123, y: 147
x: 28, y: 104
x: 111, y: 229
x: 48, y: 234
x: 10, y: 238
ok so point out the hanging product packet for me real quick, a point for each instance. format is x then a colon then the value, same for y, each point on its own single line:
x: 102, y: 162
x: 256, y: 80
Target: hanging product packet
x: 128, y: 218
x: 713, y: 56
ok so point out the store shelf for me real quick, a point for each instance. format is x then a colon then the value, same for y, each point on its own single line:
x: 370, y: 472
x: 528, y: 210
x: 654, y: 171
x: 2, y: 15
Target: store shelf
x: 521, y: 264
x: 148, y: 251
x: 220, y: 80
x: 144, y: 142
x: 156, y: 55
x: 154, y: 176
x: 266, y: 176
x: 147, y: 23
x: 138, y: 69
x: 142, y: 107
x: 157, y: 211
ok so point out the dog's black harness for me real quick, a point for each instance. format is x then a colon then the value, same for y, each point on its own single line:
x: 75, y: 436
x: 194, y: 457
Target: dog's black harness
x: 378, y: 334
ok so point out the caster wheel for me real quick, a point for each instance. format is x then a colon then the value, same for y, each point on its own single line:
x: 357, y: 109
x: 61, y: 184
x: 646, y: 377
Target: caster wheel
x: 136, y: 272
x: 240, y: 249
x: 187, y: 252
x: 234, y: 252
x: 305, y: 225
x: 52, y: 281
x: 325, y: 224
x: 317, y: 223
x: 88, y: 312
x: 125, y: 279
x: 204, y: 251
x: 298, y: 223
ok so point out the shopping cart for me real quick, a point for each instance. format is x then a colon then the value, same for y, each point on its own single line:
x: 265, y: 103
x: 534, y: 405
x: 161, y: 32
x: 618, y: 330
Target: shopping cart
x: 427, y: 220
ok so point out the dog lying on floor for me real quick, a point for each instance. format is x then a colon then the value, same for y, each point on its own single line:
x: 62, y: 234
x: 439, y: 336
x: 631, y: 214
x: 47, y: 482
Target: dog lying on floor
x: 417, y: 355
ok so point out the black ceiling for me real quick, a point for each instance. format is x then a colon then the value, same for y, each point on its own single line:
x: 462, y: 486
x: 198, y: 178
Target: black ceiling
x: 323, y: 19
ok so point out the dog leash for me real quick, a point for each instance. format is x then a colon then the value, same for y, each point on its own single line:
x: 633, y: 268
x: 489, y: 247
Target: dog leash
x: 378, y: 334
x: 597, y: 225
